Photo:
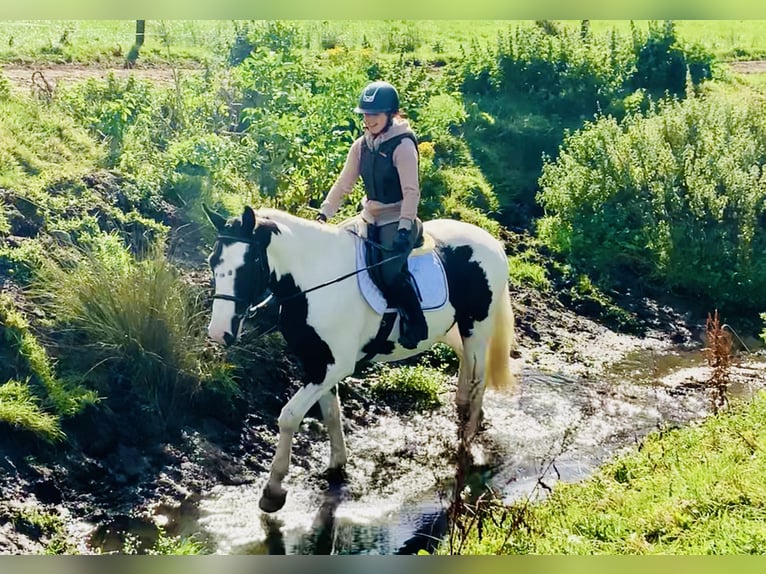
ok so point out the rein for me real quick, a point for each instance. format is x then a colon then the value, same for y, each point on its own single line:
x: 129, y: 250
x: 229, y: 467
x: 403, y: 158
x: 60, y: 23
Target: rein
x: 253, y: 309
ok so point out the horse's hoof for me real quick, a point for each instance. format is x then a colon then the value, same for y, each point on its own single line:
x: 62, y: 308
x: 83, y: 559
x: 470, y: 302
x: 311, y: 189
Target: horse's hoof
x: 336, y: 476
x: 271, y: 502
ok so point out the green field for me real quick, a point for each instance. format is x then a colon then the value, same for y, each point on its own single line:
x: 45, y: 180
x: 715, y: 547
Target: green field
x: 104, y: 41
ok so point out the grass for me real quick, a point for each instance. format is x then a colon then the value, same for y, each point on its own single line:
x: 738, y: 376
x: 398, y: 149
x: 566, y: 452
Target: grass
x: 21, y: 410
x: 109, y: 41
x: 525, y: 272
x: 39, y: 144
x: 726, y: 39
x: 409, y: 387
x: 135, y: 322
x: 696, y: 490
x: 37, y: 404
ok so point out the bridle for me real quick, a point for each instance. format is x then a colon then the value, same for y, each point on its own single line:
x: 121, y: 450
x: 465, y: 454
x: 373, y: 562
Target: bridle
x: 262, y: 260
x: 263, y: 270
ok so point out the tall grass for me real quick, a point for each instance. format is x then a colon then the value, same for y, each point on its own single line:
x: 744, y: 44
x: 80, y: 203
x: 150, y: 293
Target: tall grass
x: 138, y: 324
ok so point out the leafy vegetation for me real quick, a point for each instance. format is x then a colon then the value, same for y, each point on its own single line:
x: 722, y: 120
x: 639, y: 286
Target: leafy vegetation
x: 606, y: 144
x: 33, y: 398
x: 20, y: 409
x: 135, y: 323
x: 409, y: 387
x: 675, y: 197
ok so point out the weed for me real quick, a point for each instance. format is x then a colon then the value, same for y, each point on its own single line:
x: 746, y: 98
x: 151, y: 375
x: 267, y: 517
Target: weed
x: 718, y: 355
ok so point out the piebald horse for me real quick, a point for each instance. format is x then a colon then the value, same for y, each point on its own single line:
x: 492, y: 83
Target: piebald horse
x: 308, y: 268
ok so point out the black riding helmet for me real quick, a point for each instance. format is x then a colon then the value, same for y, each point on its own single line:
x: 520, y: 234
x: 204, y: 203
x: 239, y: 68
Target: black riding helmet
x: 378, y: 98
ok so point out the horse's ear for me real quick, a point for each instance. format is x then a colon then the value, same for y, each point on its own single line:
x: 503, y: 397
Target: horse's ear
x: 248, y: 220
x: 218, y: 221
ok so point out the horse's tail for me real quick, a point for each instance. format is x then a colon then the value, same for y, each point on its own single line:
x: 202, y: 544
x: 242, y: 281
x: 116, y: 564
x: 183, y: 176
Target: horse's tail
x: 501, y: 343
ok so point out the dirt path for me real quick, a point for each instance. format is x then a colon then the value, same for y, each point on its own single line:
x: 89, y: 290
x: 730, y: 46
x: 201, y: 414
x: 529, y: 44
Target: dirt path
x: 47, y: 77
x: 749, y: 67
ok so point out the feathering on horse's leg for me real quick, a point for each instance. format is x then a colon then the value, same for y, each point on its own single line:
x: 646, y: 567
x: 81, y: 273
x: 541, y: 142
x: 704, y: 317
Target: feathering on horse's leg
x: 470, y: 389
x: 330, y: 405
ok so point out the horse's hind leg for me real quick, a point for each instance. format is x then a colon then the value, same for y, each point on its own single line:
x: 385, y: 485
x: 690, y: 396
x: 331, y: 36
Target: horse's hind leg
x: 470, y: 386
x: 330, y: 405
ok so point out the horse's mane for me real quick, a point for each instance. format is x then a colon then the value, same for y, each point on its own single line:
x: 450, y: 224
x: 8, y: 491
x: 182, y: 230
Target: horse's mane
x: 280, y: 216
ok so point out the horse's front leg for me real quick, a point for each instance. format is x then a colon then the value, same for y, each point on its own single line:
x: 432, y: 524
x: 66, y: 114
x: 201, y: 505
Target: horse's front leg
x: 274, y: 495
x: 330, y: 405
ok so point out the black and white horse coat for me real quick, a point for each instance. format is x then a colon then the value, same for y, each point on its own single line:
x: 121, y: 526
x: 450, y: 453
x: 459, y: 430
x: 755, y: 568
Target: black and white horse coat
x: 330, y: 329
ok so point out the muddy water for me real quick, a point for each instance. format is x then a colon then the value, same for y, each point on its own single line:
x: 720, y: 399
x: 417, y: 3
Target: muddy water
x: 400, y: 472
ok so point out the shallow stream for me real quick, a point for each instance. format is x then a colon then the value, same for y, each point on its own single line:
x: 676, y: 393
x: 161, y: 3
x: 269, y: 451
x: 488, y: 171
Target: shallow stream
x: 401, y: 469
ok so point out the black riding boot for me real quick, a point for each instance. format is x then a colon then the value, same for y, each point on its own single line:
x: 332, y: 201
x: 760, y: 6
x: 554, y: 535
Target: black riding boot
x: 413, y: 322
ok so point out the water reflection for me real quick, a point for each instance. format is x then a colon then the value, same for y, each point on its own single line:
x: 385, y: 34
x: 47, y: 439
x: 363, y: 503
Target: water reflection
x: 328, y: 535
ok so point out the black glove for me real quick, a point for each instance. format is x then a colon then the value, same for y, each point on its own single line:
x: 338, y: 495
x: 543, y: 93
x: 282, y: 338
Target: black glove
x: 401, y: 241
x: 321, y: 217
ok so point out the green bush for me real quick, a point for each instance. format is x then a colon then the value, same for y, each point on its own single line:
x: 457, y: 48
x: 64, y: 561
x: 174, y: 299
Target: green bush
x: 662, y: 63
x: 676, y: 197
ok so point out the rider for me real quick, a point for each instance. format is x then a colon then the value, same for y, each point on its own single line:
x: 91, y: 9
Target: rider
x: 386, y: 157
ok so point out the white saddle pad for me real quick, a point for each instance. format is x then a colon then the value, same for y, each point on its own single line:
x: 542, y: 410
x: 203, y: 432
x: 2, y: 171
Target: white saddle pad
x: 428, y: 271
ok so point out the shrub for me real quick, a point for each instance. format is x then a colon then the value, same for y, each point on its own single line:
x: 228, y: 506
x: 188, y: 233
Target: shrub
x: 676, y: 197
x: 662, y: 63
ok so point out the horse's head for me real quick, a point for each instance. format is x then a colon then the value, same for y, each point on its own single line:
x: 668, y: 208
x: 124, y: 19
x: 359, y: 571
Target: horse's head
x: 240, y: 273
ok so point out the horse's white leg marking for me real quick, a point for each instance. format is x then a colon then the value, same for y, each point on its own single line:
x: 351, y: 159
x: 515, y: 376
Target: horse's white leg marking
x: 291, y: 416
x: 471, y: 383
x: 330, y: 405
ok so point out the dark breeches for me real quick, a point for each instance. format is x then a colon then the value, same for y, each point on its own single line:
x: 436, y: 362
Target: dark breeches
x: 385, y: 237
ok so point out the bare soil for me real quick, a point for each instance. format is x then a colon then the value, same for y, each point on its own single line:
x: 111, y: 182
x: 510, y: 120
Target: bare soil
x: 749, y: 67
x: 47, y: 77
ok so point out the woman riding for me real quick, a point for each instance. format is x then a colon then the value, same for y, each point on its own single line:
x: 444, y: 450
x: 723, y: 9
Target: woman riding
x: 386, y: 158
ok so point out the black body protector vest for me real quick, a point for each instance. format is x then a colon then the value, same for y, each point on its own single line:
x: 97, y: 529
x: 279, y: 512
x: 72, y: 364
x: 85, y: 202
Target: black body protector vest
x: 381, y: 180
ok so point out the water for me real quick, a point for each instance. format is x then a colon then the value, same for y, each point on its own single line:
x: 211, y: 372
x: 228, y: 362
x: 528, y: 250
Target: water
x: 401, y: 469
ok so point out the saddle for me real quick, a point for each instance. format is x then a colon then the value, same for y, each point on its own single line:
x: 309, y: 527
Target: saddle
x: 425, y: 268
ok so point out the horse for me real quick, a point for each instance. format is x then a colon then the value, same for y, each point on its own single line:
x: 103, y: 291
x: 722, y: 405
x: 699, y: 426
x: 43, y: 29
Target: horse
x: 330, y: 327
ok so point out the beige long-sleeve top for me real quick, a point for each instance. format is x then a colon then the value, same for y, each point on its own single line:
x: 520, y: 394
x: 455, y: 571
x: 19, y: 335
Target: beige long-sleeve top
x: 405, y: 159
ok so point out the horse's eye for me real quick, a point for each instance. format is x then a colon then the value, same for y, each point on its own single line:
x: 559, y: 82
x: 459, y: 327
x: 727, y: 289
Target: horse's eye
x: 230, y: 272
